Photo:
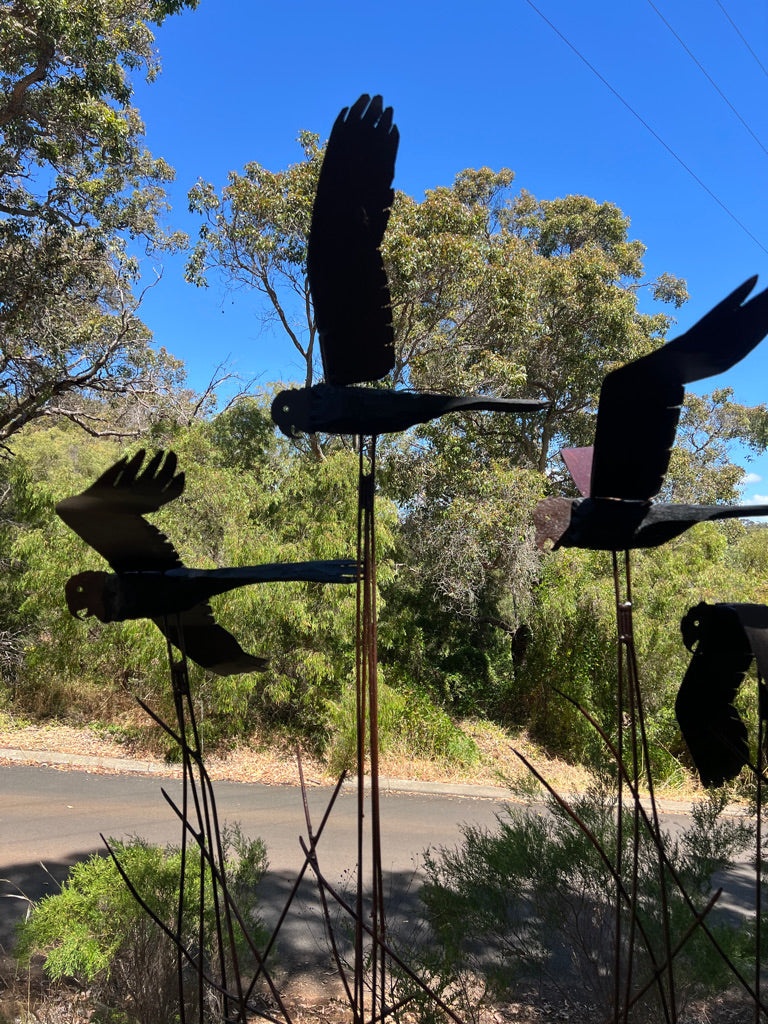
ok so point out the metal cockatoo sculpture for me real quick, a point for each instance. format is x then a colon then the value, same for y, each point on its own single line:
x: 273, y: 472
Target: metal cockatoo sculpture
x: 353, y: 314
x: 350, y: 293
x: 149, y: 579
x: 723, y: 638
x: 637, y: 419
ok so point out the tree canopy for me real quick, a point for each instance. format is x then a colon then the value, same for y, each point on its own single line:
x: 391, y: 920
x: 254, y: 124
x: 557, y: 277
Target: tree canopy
x: 80, y: 199
x: 493, y: 291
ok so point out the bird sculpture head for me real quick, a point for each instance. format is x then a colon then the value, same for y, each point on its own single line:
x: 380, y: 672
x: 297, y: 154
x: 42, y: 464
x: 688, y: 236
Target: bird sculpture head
x: 85, y: 593
x: 291, y: 411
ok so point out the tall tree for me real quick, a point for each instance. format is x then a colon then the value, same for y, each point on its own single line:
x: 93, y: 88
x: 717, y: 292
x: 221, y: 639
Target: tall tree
x: 255, y: 235
x: 80, y: 197
x: 493, y: 292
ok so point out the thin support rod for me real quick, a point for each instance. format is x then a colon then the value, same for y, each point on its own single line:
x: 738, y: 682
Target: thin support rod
x: 759, y: 844
x: 662, y: 853
x: 361, y: 681
x: 630, y: 682
x: 657, y: 833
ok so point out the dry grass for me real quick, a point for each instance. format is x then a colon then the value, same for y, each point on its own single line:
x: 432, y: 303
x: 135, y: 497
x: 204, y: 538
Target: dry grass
x: 274, y: 764
x: 29, y: 998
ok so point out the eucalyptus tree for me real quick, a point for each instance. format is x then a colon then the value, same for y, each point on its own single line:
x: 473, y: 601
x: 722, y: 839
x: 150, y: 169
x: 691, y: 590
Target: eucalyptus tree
x: 493, y: 291
x: 80, y: 199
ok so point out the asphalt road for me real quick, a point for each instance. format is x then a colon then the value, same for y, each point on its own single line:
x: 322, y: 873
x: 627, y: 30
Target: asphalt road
x: 49, y: 819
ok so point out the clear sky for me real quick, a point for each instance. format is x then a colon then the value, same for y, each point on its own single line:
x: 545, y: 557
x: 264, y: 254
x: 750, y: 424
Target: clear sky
x: 487, y: 84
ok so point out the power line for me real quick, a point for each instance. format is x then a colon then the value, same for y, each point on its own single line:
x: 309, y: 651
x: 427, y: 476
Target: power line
x: 645, y: 125
x: 741, y: 37
x: 709, y: 78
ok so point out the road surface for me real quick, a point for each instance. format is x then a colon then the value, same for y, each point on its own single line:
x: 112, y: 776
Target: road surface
x: 49, y: 819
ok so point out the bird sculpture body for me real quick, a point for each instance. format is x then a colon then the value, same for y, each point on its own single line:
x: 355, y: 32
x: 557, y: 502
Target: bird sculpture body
x: 149, y: 579
x: 637, y: 419
x: 326, y: 408
x: 724, y: 638
x: 350, y: 293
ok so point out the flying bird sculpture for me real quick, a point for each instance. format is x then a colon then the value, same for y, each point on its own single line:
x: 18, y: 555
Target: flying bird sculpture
x: 724, y: 638
x: 149, y: 579
x: 637, y: 419
x: 350, y: 293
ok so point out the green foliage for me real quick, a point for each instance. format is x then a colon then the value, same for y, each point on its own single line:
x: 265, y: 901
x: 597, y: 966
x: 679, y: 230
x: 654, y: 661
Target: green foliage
x: 511, y: 295
x: 572, y: 644
x: 468, y: 566
x: 244, y: 435
x: 282, y: 509
x: 409, y: 722
x: 500, y: 292
x: 571, y: 649
x: 94, y: 930
x: 472, y: 619
x: 701, y: 469
x: 77, y: 188
x: 531, y: 901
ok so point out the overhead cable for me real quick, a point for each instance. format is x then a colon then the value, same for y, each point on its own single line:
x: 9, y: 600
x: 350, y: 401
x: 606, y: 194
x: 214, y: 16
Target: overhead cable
x: 709, y: 78
x: 741, y: 37
x: 645, y: 124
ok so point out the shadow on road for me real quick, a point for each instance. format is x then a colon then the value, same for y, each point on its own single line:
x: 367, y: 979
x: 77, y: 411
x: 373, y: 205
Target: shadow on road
x: 23, y: 882
x: 303, y: 951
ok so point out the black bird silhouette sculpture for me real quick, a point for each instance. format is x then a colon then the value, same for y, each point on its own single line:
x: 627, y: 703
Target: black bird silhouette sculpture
x: 723, y: 638
x: 637, y: 419
x: 350, y: 293
x: 149, y: 579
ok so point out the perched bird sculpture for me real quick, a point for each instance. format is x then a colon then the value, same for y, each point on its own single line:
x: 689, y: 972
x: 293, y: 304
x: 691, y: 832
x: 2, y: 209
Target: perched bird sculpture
x: 724, y: 638
x: 149, y: 579
x: 637, y: 419
x: 350, y: 293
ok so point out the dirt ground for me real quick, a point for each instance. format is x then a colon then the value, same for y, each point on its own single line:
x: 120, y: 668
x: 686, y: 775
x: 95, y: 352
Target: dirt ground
x: 26, y: 997
x: 498, y: 764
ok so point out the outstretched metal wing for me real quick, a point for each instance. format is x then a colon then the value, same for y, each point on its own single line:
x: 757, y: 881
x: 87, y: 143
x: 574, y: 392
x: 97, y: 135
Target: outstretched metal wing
x: 347, y: 279
x: 200, y: 637
x: 640, y: 403
x: 109, y: 515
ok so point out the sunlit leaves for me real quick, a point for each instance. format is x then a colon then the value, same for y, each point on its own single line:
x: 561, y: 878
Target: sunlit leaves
x: 79, y: 194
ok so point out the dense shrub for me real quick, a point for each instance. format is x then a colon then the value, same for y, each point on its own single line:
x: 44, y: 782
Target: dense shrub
x: 530, y: 902
x: 282, y: 509
x: 95, y: 932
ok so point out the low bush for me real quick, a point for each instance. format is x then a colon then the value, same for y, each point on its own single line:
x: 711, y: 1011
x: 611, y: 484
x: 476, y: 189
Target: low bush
x: 95, y: 932
x: 409, y: 723
x: 530, y: 903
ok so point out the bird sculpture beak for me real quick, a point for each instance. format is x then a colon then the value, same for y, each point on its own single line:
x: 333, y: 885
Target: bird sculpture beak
x: 85, y: 592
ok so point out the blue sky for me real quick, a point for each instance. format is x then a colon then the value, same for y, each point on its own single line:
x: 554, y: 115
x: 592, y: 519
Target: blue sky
x: 488, y: 85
